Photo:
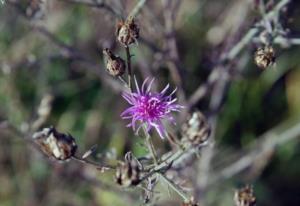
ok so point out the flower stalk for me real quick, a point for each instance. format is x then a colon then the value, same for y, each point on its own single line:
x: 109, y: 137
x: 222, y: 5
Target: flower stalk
x: 150, y: 146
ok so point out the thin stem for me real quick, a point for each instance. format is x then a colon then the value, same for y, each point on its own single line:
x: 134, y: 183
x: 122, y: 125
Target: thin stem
x: 94, y: 164
x: 124, y: 82
x: 137, y: 8
x: 150, y: 146
x: 128, y: 56
x: 175, y: 188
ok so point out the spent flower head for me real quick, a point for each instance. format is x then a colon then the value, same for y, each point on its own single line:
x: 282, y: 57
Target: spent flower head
x: 150, y: 108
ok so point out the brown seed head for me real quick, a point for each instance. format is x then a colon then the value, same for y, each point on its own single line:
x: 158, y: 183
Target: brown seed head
x: 196, y: 130
x: 245, y: 197
x: 128, y: 172
x: 115, y: 65
x: 54, y: 144
x: 264, y: 57
x: 127, y: 32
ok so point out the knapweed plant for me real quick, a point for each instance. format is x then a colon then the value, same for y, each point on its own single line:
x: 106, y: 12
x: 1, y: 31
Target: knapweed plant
x: 174, y: 114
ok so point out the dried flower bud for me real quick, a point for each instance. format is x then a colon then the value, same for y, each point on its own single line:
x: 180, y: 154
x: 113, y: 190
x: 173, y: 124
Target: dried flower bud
x: 115, y: 65
x: 196, y: 130
x: 244, y: 197
x: 127, y: 32
x: 128, y: 172
x: 264, y: 57
x: 54, y: 144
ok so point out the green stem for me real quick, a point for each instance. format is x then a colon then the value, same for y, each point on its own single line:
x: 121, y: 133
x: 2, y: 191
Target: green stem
x: 150, y: 146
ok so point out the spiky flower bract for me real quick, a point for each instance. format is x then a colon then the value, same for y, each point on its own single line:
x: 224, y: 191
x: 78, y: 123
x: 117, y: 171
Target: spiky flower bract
x: 150, y: 108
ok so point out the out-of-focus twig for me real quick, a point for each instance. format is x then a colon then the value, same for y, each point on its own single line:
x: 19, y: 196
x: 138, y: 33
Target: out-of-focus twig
x: 96, y: 4
x: 219, y: 89
x: 203, y: 89
x: 172, y: 56
x: 134, y: 12
x: 266, y: 144
x: 75, y: 55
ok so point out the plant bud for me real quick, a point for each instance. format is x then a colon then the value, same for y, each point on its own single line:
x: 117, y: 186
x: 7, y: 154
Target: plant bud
x: 196, y: 130
x: 127, y: 32
x: 54, y: 144
x: 264, y: 57
x: 244, y: 197
x: 128, y: 172
x: 115, y: 65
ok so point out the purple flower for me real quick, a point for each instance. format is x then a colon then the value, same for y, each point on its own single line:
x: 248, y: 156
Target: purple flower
x: 150, y: 108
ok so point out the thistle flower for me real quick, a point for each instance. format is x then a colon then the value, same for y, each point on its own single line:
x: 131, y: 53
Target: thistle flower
x: 150, y: 108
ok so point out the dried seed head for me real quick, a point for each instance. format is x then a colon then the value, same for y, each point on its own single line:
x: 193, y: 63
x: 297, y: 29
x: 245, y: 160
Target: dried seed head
x: 264, y: 57
x: 115, y: 65
x: 127, y: 32
x: 196, y: 130
x: 54, y: 144
x: 245, y: 197
x: 128, y: 172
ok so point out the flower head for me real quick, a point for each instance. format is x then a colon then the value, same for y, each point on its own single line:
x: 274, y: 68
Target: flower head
x: 150, y: 108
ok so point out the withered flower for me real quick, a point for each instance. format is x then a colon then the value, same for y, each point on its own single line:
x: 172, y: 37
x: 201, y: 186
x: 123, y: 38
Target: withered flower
x: 128, y: 172
x: 54, y: 144
x: 127, y: 32
x: 245, y: 197
x: 115, y: 65
x: 264, y: 57
x: 196, y: 130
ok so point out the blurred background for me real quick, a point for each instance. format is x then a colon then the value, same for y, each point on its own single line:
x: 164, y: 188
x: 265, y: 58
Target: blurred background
x: 51, y: 54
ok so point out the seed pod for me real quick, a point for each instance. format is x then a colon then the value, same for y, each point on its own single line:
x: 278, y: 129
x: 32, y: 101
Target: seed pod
x: 245, y: 197
x: 115, y: 65
x: 196, y: 130
x: 127, y: 32
x: 54, y: 144
x: 264, y: 57
x: 128, y: 172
